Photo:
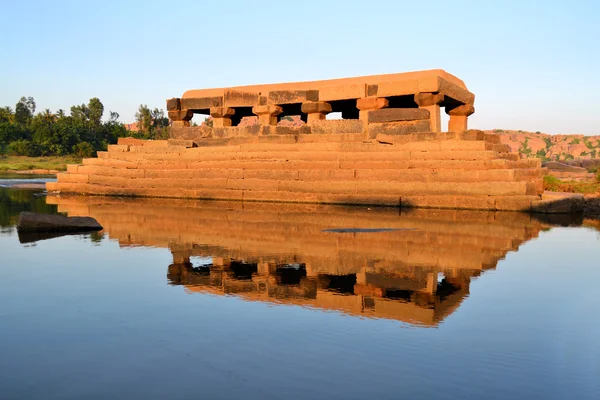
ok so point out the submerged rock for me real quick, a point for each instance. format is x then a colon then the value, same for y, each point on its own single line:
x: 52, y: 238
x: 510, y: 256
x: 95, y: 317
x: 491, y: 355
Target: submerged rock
x: 35, y: 222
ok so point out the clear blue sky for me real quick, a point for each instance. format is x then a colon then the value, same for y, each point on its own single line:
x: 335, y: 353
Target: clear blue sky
x: 533, y: 65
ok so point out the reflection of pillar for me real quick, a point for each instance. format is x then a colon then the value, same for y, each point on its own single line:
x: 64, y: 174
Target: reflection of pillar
x: 181, y: 118
x: 458, y: 117
x: 432, y: 282
x: 431, y: 102
x: 267, y: 115
x: 316, y: 110
x: 221, y: 116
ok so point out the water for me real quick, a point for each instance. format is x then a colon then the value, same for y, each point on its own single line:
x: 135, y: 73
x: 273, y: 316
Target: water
x: 187, y: 299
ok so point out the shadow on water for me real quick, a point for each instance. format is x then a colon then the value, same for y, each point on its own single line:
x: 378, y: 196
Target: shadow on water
x: 414, y: 266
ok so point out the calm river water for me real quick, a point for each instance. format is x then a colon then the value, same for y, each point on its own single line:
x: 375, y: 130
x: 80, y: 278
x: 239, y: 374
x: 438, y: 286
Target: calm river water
x: 180, y: 299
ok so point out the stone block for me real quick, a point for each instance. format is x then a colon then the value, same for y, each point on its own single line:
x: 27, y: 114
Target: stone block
x: 182, y: 142
x: 372, y: 103
x: 115, y: 148
x: 293, y: 96
x: 398, y: 128
x: 458, y: 123
x: 428, y: 99
x: 316, y: 107
x: 398, y: 88
x: 492, y: 138
x: 274, y: 174
x: 190, y: 133
x: 463, y: 110
x: 453, y: 91
x: 181, y: 115
x: 173, y: 104
x: 326, y: 175
x: 515, y: 203
x: 338, y: 126
x: 130, y: 141
x: 240, y: 98
x: 342, y: 92
x: 201, y: 103
x: 286, y: 130
x: 222, y: 112
x: 267, y: 114
x: 72, y: 178
x: 252, y: 184
x: 342, y: 187
x: 397, y: 114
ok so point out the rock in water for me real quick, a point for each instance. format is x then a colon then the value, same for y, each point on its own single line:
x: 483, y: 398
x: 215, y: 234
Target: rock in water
x: 34, y: 222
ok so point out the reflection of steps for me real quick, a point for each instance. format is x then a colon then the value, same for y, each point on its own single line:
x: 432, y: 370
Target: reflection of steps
x: 394, y: 274
x: 443, y: 170
x: 440, y: 239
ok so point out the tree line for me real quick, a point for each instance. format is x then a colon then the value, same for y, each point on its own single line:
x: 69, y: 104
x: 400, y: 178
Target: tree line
x: 81, y: 133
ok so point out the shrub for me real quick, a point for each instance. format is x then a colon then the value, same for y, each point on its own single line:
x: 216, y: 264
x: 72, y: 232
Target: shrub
x: 22, y: 147
x: 83, y: 150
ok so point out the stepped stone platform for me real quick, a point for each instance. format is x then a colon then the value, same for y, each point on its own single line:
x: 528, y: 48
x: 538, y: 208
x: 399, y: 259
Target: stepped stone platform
x: 416, y: 269
x: 387, y: 150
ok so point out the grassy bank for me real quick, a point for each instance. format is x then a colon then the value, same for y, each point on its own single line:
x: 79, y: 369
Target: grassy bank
x: 20, y: 163
x: 554, y: 184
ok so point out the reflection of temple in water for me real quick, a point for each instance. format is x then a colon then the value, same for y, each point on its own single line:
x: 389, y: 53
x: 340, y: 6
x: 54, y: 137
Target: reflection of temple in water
x: 419, y: 271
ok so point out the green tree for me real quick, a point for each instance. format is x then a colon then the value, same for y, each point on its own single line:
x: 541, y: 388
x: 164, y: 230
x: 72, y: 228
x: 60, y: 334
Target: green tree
x: 24, y: 110
x: 96, y: 109
x: 143, y: 117
x: 6, y: 115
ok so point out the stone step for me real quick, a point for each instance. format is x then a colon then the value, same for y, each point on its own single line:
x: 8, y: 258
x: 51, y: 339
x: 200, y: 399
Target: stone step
x: 324, y: 186
x: 431, y: 145
x: 472, y: 202
x: 111, y: 165
x: 462, y: 155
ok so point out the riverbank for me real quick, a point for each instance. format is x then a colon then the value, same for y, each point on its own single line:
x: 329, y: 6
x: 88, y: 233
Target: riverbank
x: 35, y: 165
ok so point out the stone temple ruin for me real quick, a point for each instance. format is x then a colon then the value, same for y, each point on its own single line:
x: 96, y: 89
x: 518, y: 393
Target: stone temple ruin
x: 388, y: 148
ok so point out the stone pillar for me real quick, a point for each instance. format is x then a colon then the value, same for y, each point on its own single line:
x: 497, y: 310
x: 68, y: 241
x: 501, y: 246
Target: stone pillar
x: 370, y: 103
x: 458, y: 118
x: 431, y: 102
x: 221, y: 116
x: 181, y: 118
x: 316, y: 110
x: 367, y: 104
x: 267, y: 115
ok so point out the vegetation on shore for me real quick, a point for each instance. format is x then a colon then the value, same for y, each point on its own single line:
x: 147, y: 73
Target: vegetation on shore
x: 23, y: 163
x: 554, y: 184
x: 79, y: 134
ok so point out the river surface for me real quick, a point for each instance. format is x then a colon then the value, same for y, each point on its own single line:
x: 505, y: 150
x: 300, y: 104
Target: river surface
x: 179, y: 299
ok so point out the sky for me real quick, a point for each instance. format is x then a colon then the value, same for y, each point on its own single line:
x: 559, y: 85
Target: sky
x: 533, y: 65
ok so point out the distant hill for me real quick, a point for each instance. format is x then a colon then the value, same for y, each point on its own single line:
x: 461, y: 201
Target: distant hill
x: 551, y: 147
